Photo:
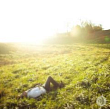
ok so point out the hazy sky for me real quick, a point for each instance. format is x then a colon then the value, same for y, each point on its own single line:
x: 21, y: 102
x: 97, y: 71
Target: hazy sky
x: 25, y: 19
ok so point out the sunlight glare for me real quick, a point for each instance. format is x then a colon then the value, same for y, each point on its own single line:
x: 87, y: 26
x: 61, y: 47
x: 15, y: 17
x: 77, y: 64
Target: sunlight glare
x: 75, y: 32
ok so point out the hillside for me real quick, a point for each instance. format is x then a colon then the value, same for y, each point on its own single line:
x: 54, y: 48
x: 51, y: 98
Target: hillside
x: 84, y: 68
x: 102, y: 36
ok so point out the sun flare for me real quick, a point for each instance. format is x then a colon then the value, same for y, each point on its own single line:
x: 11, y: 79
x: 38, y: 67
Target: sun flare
x: 36, y: 38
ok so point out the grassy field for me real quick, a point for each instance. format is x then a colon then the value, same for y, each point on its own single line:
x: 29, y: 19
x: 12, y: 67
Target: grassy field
x: 84, y: 68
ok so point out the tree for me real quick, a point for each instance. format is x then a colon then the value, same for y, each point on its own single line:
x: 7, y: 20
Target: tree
x: 89, y: 27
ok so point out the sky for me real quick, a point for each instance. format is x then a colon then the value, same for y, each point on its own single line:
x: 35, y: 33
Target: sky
x: 30, y: 20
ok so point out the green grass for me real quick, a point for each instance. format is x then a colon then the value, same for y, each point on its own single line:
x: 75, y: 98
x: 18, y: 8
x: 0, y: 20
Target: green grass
x: 84, y: 68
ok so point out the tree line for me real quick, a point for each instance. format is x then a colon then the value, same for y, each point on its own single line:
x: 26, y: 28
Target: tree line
x: 86, y: 31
